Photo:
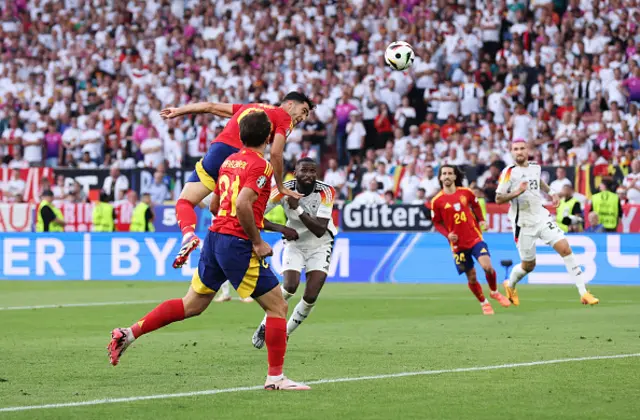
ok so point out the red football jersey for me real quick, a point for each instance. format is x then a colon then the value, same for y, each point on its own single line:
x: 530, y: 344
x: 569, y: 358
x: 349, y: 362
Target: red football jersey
x: 455, y: 211
x: 280, y: 123
x: 243, y: 169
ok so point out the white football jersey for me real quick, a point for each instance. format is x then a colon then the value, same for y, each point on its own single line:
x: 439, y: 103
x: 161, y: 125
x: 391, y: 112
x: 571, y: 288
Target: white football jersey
x: 527, y: 210
x: 319, y: 204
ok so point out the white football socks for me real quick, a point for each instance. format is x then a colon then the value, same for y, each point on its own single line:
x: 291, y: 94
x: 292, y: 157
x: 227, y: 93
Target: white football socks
x: 575, y: 272
x: 516, y: 275
x: 226, y: 289
x: 300, y: 313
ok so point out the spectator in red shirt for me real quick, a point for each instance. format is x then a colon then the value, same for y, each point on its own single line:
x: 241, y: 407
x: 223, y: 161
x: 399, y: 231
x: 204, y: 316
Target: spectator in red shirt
x: 429, y: 126
x: 567, y: 106
x: 450, y: 127
x: 383, y: 126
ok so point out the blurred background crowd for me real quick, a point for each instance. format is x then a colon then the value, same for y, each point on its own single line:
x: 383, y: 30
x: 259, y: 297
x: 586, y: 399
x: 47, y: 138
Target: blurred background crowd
x: 82, y: 83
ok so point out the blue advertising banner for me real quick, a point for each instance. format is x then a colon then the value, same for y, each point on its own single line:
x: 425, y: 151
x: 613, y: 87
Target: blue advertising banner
x: 357, y: 257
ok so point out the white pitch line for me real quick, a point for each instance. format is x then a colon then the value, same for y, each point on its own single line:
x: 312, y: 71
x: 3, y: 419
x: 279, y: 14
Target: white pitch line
x: 321, y: 381
x: 139, y: 302
x: 76, y: 305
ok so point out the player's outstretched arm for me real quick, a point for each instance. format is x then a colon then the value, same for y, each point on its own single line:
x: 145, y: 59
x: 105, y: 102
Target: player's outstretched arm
x: 288, y: 233
x: 277, y: 150
x: 214, y: 206
x: 217, y: 109
x: 244, y: 211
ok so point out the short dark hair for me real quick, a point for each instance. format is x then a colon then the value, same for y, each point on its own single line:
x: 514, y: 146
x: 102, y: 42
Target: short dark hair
x: 299, y: 97
x: 47, y: 193
x: 306, y: 160
x: 255, y: 129
x: 459, y: 174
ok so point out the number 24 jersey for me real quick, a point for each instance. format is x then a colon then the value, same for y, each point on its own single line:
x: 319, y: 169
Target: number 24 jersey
x: 455, y: 212
x: 245, y: 168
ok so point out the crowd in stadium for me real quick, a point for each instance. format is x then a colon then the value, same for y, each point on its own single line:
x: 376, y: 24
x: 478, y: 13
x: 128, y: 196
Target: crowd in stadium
x: 82, y: 83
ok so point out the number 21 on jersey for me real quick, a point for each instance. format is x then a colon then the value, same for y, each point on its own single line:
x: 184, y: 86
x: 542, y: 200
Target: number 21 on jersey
x: 226, y: 187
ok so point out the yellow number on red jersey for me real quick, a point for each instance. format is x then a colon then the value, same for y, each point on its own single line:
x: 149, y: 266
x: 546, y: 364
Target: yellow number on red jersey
x: 459, y: 218
x: 224, y: 183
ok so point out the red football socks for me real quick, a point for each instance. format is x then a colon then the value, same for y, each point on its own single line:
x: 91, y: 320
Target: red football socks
x: 476, y: 289
x: 276, y: 341
x: 186, y: 216
x: 167, y: 312
x: 491, y: 279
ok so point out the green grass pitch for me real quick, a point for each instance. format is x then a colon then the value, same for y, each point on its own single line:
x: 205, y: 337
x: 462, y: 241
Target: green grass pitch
x: 57, y: 355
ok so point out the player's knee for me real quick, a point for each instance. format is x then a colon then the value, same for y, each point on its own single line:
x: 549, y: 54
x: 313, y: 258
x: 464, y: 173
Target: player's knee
x: 291, y: 288
x: 193, y: 308
x: 488, y: 269
x: 528, y: 266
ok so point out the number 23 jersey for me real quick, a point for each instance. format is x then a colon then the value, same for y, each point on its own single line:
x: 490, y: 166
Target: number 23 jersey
x: 245, y: 169
x: 527, y: 210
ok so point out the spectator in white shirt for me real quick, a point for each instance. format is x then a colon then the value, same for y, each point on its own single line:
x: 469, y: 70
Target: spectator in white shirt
x: 335, y: 176
x: 59, y: 190
x: 560, y: 181
x: 116, y: 184
x: 390, y: 96
x: 521, y: 124
x: 71, y: 140
x: 158, y: 190
x: 406, y: 114
x: 370, y: 197
x: 15, y: 187
x: 91, y: 140
x: 32, y: 142
x: 430, y: 183
x: 355, y: 134
x: 151, y: 148
x: 632, y: 183
x: 409, y: 184
x: 421, y: 197
x: 385, y: 182
x: 86, y: 162
x: 18, y: 162
x: 498, y: 103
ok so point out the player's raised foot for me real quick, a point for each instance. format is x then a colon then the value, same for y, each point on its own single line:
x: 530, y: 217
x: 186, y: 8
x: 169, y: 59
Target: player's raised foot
x: 502, y: 300
x: 189, y: 243
x: 512, y: 293
x: 487, y: 309
x: 222, y: 298
x: 589, y: 299
x: 285, y: 384
x: 258, y: 337
x: 246, y: 300
x: 121, y: 338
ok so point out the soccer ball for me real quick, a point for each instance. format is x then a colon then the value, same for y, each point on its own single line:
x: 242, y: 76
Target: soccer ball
x: 399, y: 55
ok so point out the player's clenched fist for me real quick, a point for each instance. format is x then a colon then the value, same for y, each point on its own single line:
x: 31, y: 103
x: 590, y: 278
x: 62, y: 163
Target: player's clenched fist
x: 453, y: 238
x: 262, y: 249
x: 523, y: 186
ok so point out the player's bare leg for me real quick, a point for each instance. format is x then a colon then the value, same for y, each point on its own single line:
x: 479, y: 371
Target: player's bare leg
x: 288, y: 287
x: 313, y: 286
x: 476, y: 289
x: 167, y: 312
x: 517, y: 274
x: 276, y: 309
x: 563, y: 248
x: 192, y: 194
x: 490, y: 273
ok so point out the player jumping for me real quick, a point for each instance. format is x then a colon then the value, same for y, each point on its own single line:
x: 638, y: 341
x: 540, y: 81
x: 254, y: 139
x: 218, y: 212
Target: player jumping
x: 234, y: 250
x: 294, y: 109
x: 520, y: 184
x: 456, y: 214
x: 308, y: 238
